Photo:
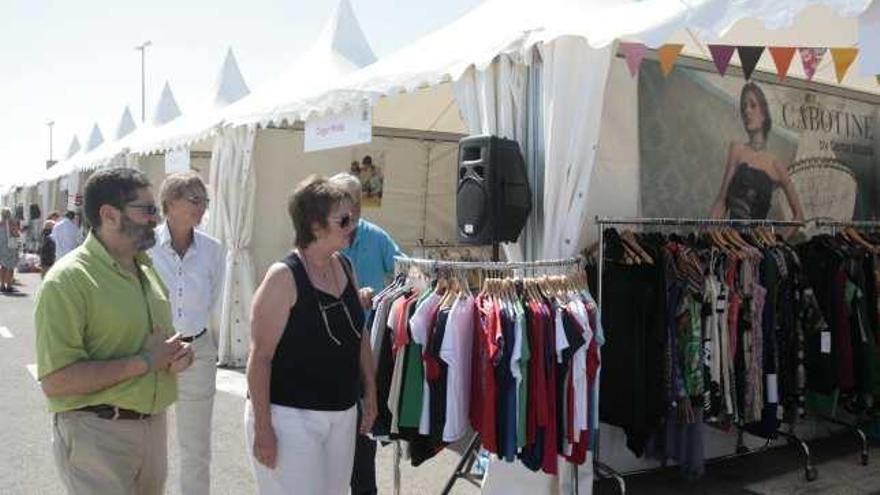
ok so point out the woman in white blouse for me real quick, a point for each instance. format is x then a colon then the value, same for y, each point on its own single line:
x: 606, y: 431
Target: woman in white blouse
x: 191, y: 263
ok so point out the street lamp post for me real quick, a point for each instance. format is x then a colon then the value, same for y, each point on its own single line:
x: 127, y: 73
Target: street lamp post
x: 143, y: 49
x: 51, y: 123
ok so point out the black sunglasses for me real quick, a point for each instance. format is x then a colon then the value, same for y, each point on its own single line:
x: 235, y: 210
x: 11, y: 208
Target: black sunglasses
x: 148, y: 208
x: 344, y: 221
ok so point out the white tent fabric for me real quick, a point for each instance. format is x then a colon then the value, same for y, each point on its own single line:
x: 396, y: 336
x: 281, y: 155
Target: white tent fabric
x: 340, y: 49
x: 574, y: 76
x: 231, y: 221
x: 230, y: 85
x: 869, y: 35
x: 126, y: 124
x: 96, y: 138
x: 73, y: 148
x: 167, y: 109
x: 200, y: 124
x: 492, y: 101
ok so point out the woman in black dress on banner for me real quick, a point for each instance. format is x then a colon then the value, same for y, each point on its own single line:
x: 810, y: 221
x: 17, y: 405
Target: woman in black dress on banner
x: 753, y: 172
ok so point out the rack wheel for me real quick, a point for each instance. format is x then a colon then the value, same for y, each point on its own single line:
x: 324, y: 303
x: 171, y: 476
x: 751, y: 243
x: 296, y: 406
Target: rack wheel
x: 811, y: 473
x: 864, y: 457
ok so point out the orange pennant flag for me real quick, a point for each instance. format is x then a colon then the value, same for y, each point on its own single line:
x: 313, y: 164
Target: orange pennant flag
x: 667, y: 55
x: 782, y: 56
x: 843, y: 59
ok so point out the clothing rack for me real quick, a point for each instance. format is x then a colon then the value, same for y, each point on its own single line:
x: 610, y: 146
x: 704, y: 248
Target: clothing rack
x: 834, y: 225
x: 602, y: 222
x: 402, y: 265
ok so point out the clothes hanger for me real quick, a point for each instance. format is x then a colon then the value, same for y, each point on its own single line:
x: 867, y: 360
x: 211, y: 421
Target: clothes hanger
x: 629, y: 239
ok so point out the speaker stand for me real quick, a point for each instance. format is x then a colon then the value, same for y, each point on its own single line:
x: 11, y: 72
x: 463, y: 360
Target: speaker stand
x: 496, y: 251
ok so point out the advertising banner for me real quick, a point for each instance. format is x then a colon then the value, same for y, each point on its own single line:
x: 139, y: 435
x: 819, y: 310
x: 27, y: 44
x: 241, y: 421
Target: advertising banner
x: 721, y: 147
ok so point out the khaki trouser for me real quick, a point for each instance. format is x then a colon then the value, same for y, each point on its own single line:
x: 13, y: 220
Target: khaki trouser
x: 107, y: 457
x: 196, y: 387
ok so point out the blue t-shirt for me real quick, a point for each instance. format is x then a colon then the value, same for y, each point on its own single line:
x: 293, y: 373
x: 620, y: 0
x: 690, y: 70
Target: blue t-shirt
x: 372, y: 254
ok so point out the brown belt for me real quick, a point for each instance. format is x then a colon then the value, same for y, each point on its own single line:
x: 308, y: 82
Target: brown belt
x: 106, y: 411
x: 193, y: 337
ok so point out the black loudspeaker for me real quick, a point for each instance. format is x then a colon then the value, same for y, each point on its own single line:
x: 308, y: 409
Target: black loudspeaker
x: 493, y: 199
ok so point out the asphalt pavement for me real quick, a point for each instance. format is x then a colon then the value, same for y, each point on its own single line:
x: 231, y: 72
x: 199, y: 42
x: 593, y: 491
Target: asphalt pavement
x: 26, y: 465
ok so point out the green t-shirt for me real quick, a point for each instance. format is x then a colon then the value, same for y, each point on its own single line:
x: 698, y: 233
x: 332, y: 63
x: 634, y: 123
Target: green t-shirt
x: 90, y: 308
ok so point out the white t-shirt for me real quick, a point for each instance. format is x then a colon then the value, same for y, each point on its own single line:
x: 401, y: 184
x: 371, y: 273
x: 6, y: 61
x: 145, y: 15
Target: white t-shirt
x: 455, y: 350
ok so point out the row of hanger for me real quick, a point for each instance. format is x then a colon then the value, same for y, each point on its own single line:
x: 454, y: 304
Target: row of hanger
x: 499, y: 284
x: 727, y: 239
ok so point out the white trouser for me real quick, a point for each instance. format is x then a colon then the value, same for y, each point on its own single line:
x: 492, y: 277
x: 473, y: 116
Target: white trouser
x: 196, y: 387
x: 315, y: 451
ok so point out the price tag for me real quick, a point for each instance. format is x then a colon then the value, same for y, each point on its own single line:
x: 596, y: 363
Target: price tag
x: 772, y: 389
x: 826, y: 343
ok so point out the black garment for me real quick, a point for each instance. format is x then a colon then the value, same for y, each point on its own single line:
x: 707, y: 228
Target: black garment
x: 633, y: 371
x: 47, y: 250
x: 437, y: 402
x: 749, y: 193
x: 316, y: 362
x: 363, y: 473
x: 384, y: 372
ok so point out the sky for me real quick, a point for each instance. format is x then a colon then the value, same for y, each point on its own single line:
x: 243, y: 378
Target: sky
x: 74, y: 63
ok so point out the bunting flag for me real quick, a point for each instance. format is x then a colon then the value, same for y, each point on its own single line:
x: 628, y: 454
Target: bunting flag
x: 811, y: 58
x: 749, y: 57
x: 843, y: 59
x: 667, y: 55
x: 782, y: 56
x: 721, y: 56
x: 634, y: 54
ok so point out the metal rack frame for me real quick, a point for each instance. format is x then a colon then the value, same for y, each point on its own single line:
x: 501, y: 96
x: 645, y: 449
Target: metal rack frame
x: 401, y: 264
x: 602, y: 222
x: 834, y: 225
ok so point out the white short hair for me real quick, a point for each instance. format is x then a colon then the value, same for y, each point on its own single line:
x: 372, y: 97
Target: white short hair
x: 351, y: 183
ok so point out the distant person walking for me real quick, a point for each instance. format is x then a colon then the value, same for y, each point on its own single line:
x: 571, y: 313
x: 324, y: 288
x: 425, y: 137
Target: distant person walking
x: 47, y: 248
x: 191, y: 263
x: 66, y: 235
x: 8, y: 250
x: 106, y: 352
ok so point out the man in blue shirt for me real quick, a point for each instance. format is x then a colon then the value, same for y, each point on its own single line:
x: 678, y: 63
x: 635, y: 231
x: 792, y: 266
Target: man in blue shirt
x: 372, y: 253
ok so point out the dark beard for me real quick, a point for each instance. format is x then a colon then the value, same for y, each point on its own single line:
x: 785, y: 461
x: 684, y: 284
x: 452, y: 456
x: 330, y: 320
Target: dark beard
x: 144, y: 236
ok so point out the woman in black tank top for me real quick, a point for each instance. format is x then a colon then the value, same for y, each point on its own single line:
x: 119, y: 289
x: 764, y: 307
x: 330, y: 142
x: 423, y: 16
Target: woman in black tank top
x: 308, y: 355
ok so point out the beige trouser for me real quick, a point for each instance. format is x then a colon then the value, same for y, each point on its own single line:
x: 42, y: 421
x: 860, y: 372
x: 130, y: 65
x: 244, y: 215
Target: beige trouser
x: 196, y: 387
x: 108, y: 457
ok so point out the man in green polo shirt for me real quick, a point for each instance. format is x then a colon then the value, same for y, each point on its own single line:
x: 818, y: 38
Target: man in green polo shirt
x: 106, y: 350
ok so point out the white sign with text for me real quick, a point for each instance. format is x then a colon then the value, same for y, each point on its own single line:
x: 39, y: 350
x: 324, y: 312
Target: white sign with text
x: 348, y: 128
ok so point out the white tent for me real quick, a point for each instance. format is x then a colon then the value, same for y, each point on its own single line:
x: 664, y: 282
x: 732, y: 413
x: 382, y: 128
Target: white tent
x: 126, y: 125
x: 96, y: 138
x: 200, y: 122
x: 73, y: 148
x: 256, y: 164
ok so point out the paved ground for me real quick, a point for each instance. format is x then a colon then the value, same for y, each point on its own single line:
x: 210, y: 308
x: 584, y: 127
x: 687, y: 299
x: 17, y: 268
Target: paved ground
x: 26, y: 465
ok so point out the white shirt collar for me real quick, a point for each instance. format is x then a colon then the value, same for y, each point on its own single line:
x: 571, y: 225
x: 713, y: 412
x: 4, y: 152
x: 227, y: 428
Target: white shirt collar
x: 163, y: 237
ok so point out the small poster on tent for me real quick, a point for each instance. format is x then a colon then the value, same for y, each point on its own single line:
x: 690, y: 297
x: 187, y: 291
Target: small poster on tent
x: 368, y: 165
x: 721, y: 147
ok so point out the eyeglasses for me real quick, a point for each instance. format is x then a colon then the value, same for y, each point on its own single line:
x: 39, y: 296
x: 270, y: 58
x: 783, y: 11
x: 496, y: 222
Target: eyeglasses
x: 197, y: 200
x: 146, y: 208
x: 324, y: 308
x: 344, y: 221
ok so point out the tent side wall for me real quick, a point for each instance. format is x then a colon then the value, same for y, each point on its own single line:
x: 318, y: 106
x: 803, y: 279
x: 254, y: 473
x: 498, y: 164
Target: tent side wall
x: 418, y: 185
